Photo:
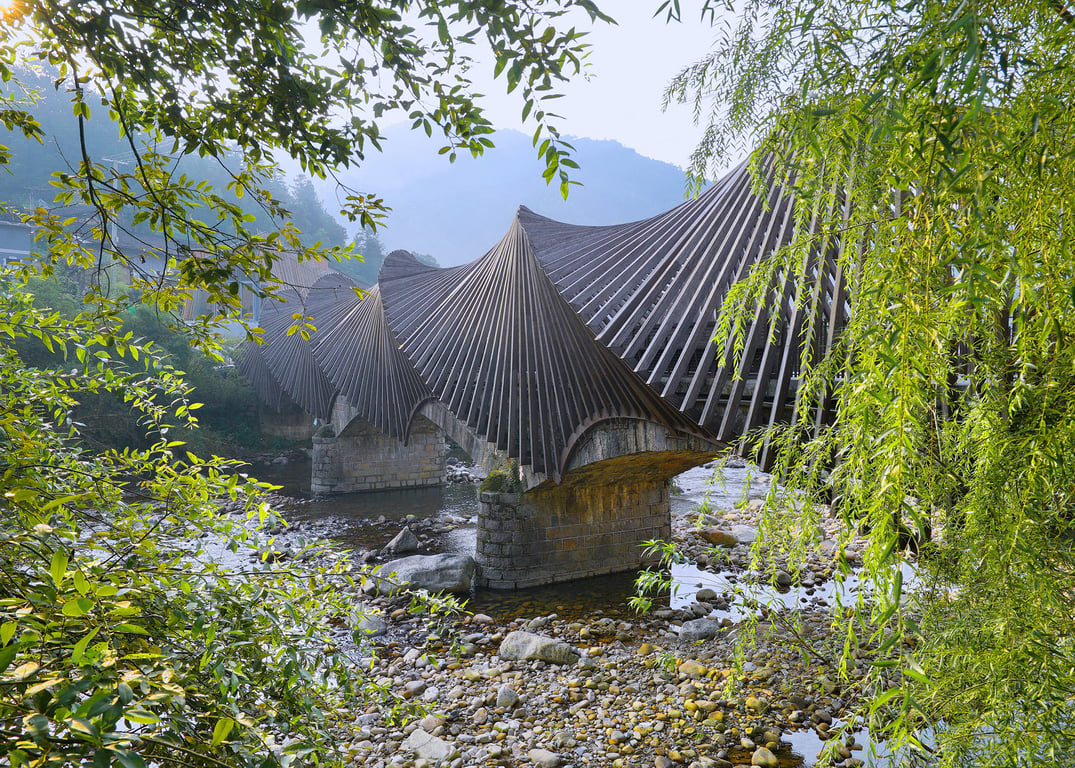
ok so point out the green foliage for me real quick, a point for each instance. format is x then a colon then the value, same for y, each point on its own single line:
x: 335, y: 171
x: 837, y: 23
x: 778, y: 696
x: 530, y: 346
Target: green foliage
x: 133, y: 632
x: 227, y: 418
x: 122, y: 638
x: 933, y: 143
x: 239, y: 83
x: 653, y: 582
x: 504, y: 479
x: 29, y: 182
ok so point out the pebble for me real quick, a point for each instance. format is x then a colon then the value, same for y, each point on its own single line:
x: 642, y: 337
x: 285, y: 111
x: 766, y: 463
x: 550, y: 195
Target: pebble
x: 764, y: 758
x: 544, y: 758
x: 645, y: 690
x: 506, y: 697
x: 755, y: 705
x: 692, y: 668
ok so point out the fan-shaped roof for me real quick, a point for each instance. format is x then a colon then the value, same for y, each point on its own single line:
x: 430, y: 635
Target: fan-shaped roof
x: 651, y: 292
x: 496, y: 343
x: 360, y: 356
x: 284, y: 364
x: 560, y: 326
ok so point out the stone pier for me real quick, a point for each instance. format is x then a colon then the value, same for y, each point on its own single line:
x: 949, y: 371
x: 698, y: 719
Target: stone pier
x: 363, y: 458
x: 568, y: 533
x: 613, y: 497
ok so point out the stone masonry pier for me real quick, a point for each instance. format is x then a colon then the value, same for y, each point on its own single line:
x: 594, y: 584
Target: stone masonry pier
x: 614, y: 497
x: 527, y: 539
x: 363, y: 458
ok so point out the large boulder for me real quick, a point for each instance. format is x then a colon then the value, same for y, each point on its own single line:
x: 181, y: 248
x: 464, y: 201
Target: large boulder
x: 524, y: 646
x: 745, y: 534
x: 543, y: 758
x: 373, y: 625
x: 698, y: 629
x: 436, y: 573
x: 717, y: 537
x: 404, y: 542
x: 763, y: 758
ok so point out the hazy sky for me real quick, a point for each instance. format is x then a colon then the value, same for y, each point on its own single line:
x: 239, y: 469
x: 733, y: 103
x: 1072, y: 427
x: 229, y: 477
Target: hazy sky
x: 630, y: 65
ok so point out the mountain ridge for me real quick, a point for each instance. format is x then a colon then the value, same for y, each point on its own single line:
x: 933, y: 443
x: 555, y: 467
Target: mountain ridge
x: 457, y: 211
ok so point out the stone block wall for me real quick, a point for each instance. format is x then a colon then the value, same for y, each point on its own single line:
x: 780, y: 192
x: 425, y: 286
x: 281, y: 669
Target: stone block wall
x: 362, y: 458
x: 568, y: 533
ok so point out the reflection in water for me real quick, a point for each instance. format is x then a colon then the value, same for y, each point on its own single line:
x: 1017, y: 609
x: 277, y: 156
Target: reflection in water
x: 355, y: 519
x: 574, y: 600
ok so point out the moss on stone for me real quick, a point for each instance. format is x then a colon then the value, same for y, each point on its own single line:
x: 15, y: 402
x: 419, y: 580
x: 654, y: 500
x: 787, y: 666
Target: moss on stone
x: 503, y: 479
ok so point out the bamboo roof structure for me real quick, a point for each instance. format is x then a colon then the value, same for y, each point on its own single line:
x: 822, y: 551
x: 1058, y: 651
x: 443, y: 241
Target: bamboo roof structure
x: 283, y: 369
x: 361, y: 357
x: 651, y: 292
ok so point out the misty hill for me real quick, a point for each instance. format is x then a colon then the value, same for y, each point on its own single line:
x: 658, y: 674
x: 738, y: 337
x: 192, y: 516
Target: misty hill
x: 451, y: 211
x: 26, y: 178
x: 457, y: 211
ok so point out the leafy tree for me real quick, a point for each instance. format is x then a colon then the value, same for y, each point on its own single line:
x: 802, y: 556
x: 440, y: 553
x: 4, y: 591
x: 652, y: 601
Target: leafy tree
x: 367, y: 255
x: 319, y: 226
x: 227, y: 420
x: 187, y: 80
x: 28, y: 182
x: 933, y: 142
x: 426, y: 258
x: 126, y: 638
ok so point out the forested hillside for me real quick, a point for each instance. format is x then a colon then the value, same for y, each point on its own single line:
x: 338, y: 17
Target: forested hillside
x: 454, y: 211
x: 27, y: 182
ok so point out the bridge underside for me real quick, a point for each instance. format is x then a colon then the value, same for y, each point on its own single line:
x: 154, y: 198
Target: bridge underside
x: 613, y: 497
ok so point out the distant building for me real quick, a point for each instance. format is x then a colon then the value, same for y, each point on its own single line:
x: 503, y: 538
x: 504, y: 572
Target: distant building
x: 16, y: 242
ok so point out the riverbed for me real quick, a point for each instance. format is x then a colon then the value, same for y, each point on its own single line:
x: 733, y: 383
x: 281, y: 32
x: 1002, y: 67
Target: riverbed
x: 445, y: 520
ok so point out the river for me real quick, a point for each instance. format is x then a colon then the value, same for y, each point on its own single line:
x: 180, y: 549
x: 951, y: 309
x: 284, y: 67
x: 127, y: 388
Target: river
x: 367, y: 521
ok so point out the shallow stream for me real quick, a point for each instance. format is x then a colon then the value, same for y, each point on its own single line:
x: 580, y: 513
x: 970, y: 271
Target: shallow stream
x: 367, y: 521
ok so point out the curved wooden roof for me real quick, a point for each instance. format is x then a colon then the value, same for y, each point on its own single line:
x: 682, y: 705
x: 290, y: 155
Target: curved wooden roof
x: 250, y: 362
x: 361, y: 357
x: 283, y: 367
x: 559, y: 327
x: 651, y: 292
x: 496, y: 343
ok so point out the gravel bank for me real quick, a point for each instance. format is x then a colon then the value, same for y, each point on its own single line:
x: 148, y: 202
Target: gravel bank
x: 640, y: 694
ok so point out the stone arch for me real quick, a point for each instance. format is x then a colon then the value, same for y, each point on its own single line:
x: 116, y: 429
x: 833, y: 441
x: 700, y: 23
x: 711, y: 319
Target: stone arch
x: 606, y: 451
x: 483, y: 453
x: 353, y: 455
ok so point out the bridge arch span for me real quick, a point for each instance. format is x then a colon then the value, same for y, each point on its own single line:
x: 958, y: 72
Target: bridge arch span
x: 616, y: 450
x: 361, y: 456
x: 585, y: 355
